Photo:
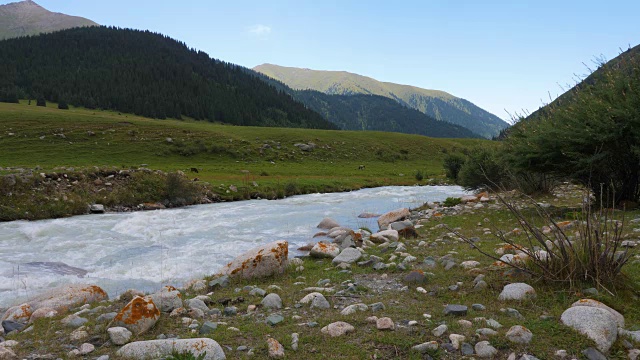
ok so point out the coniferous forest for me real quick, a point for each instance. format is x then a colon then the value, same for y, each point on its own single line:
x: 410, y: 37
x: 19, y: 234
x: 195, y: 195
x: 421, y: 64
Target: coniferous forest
x: 143, y: 73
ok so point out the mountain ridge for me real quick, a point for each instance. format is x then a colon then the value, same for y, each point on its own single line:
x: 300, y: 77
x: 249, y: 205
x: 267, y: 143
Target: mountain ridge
x: 435, y: 103
x: 29, y: 18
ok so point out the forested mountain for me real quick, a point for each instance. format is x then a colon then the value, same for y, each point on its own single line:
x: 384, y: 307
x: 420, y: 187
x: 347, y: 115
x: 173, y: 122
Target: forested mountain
x: 143, y: 73
x: 373, y: 112
x: 28, y: 18
x: 437, y: 104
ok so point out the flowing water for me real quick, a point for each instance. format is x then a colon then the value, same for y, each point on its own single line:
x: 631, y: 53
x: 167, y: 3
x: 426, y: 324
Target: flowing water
x: 146, y: 250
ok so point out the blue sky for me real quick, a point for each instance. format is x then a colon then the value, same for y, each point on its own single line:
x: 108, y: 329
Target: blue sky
x: 501, y: 55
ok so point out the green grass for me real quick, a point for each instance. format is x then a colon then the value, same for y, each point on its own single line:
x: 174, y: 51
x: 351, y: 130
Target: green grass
x: 49, y: 139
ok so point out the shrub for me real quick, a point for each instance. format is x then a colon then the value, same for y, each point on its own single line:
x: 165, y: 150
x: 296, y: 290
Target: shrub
x: 62, y: 105
x: 594, y: 255
x: 419, y: 175
x: 451, y: 201
x: 452, y: 165
x: 291, y: 188
x: 41, y: 102
x: 179, y: 190
x: 483, y: 169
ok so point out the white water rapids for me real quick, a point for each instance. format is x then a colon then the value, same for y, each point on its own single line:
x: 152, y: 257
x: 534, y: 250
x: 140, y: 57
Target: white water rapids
x: 146, y: 250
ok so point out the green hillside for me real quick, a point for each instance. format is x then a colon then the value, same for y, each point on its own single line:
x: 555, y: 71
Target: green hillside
x: 28, y: 18
x: 437, y: 104
x: 143, y: 73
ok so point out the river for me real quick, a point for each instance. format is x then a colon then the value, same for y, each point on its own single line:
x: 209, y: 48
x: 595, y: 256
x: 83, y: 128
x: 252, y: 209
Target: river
x: 146, y: 250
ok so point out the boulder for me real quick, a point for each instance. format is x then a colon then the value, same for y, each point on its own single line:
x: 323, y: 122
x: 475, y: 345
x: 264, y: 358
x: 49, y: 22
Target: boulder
x: 517, y: 291
x: 20, y: 314
x: 42, y: 313
x: 261, y: 261
x: 324, y: 250
x: 348, y: 255
x: 393, y: 216
x: 96, y: 209
x: 338, y: 328
x: 328, y: 224
x: 593, y: 303
x: 596, y: 323
x: 139, y: 315
x: 160, y: 349
x: 384, y: 236
x: 167, y: 300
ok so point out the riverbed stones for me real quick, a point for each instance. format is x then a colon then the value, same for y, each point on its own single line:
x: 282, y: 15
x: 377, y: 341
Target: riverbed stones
x: 262, y: 261
x: 197, y: 304
x: 519, y: 334
x: 10, y: 326
x: 320, y: 302
x: 328, y: 224
x: 324, y: 250
x: 596, y: 323
x: 167, y: 299
x: 517, y: 291
x: 119, y: 335
x: 338, y: 328
x: 139, y: 315
x: 393, y: 216
x: 96, y: 209
x: 160, y: 349
x: 348, y: 256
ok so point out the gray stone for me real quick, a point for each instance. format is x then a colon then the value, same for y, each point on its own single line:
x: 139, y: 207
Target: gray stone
x: 230, y: 311
x: 119, y: 335
x: 338, y: 328
x: 385, y: 323
x: 480, y: 285
x: 428, y: 346
x: 257, y: 292
x: 478, y: 307
x: 275, y: 319
x: 107, y: 317
x: 96, y: 209
x: 415, y: 277
x: 597, y: 304
x: 197, y: 304
x: 207, y: 328
x: 348, y: 255
x: 320, y: 302
x: 458, y: 310
x: 494, y: 324
x: 222, y: 281
x: 517, y: 291
x: 272, y: 301
x: 167, y: 299
x: 377, y: 307
x: 486, y: 332
x: 597, y: 324
x: 440, y: 330
x: 160, y: 349
x: 352, y: 309
x: 519, y: 334
x: 11, y: 326
x: 325, y: 250
x: 513, y: 313
x: 74, y: 321
x: 593, y: 354
x: 466, y: 349
x: 328, y: 224
x: 393, y: 216
x: 294, y: 341
x: 485, y: 350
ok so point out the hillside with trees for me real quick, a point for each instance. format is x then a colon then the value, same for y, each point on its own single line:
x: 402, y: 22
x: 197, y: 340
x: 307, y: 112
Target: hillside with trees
x: 143, y: 73
x: 436, y: 104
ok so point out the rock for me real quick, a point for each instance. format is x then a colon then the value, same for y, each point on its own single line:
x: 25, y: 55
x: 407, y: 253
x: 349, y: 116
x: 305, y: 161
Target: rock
x: 160, y: 349
x: 274, y: 319
x: 79, y: 334
x: 222, y: 281
x: 593, y: 354
x: 517, y: 291
x: 519, y: 334
x: 320, y: 302
x: 352, y: 309
x: 20, y: 314
x: 272, y: 301
x: 466, y: 349
x: 377, y: 307
x: 456, y: 340
x: 42, y: 313
x: 63, y: 298
x: 207, y: 328
x: 415, y: 277
x: 393, y: 216
x: 261, y: 261
x: 197, y: 304
x: 458, y: 310
x: 385, y: 323
x: 324, y: 250
x: 86, y: 348
x: 478, y: 307
x: 348, y: 255
x: 486, y: 332
x: 440, y: 330
x: 338, y: 328
x: 597, y: 304
x: 119, y: 335
x: 11, y: 326
x: 425, y: 347
x: 294, y: 341
x: 513, y: 313
x: 384, y: 236
x: 597, y: 324
x: 633, y: 354
x: 230, y: 311
x: 328, y: 224
x: 7, y: 354
x: 139, y: 315
x: 470, y: 264
x: 485, y: 350
x: 494, y: 324
x: 276, y: 350
x: 167, y: 300
x: 561, y: 354
x: 74, y: 321
x: 96, y: 209
x: 107, y: 317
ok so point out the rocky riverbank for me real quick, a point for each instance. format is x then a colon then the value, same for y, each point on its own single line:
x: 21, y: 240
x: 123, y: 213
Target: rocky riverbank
x: 411, y: 289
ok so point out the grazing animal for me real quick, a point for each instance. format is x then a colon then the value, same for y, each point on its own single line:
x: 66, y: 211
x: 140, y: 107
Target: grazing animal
x: 194, y: 170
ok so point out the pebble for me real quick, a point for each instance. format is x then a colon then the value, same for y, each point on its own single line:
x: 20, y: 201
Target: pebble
x: 440, y: 330
x: 276, y: 350
x: 466, y: 349
x: 478, y: 307
x: 275, y: 319
x: 456, y: 340
x: 458, y: 310
x: 428, y: 346
x: 338, y: 328
x: 593, y: 354
x: 272, y: 301
x: 485, y: 350
x: 486, y: 332
x: 519, y: 334
x: 294, y: 341
x: 385, y: 323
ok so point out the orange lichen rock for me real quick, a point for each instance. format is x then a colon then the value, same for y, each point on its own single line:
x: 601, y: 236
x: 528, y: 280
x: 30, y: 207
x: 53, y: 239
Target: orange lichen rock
x: 262, y: 261
x: 20, y: 313
x: 139, y: 315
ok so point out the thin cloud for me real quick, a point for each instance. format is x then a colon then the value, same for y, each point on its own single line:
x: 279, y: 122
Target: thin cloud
x: 259, y: 30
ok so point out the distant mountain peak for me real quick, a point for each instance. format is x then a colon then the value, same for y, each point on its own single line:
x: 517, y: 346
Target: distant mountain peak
x: 29, y: 18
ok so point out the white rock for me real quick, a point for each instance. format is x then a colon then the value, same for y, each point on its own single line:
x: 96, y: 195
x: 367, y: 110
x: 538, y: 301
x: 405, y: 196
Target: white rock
x: 440, y: 330
x: 324, y: 250
x: 456, y: 340
x: 261, y: 261
x: 470, y: 264
x: 157, y: 349
x: 119, y: 335
x: 338, y: 328
x: 384, y: 236
x: 351, y: 309
x: 517, y: 291
x: 519, y: 334
x: 167, y: 299
x: 593, y: 303
x: 597, y: 324
x: 485, y: 350
x: 348, y: 255
x: 86, y: 348
x: 393, y: 216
